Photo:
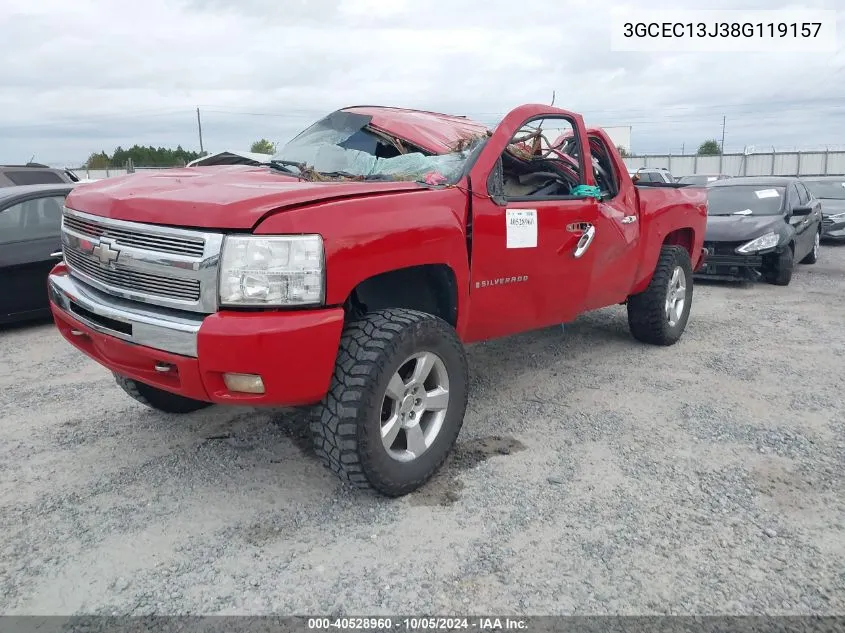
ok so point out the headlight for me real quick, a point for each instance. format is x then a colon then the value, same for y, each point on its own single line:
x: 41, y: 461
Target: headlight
x: 769, y: 240
x: 837, y: 218
x: 257, y: 270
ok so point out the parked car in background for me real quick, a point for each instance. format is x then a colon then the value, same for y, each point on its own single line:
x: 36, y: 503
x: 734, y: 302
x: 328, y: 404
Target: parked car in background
x: 652, y: 174
x: 34, y: 174
x: 30, y: 245
x: 831, y: 191
x: 759, y: 227
x: 701, y: 179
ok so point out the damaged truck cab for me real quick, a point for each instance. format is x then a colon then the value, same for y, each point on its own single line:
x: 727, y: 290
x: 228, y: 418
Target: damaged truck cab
x: 348, y: 276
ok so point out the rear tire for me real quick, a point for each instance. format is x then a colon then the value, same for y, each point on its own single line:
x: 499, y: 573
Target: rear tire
x: 159, y: 399
x: 659, y: 314
x: 381, y: 426
x: 813, y: 257
x: 782, y: 274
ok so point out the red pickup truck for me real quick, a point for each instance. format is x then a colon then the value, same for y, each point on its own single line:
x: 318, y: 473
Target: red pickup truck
x: 348, y: 275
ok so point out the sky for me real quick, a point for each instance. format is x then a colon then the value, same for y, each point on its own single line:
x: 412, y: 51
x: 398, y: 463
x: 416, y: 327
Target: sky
x: 90, y: 75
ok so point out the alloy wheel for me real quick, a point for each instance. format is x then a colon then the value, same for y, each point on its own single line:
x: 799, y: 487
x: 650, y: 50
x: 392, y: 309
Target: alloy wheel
x: 414, y: 406
x: 676, y: 297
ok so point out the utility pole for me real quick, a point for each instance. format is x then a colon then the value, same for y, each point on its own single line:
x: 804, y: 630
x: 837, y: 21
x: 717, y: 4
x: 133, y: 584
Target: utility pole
x: 722, y: 147
x: 199, y: 127
x: 683, y: 145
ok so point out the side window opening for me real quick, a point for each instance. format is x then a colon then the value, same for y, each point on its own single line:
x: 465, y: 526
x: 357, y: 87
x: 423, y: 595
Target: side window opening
x: 793, y: 198
x: 808, y: 197
x: 606, y: 178
x: 31, y: 220
x: 532, y: 166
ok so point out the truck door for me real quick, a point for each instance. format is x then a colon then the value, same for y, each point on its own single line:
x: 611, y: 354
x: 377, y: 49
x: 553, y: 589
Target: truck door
x: 532, y: 249
x: 617, y: 229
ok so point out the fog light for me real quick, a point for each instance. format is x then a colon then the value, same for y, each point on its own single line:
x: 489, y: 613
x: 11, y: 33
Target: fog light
x: 244, y: 383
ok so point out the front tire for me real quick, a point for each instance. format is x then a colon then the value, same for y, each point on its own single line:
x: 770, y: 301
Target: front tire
x: 659, y: 314
x: 782, y: 274
x: 159, y: 399
x: 813, y: 257
x: 396, y: 402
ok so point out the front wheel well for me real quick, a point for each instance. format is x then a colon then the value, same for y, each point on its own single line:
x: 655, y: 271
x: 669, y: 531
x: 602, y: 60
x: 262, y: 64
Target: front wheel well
x: 430, y: 288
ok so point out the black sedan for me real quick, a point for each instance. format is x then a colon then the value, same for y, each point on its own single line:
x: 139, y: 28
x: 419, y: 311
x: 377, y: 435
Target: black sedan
x: 831, y: 191
x: 30, y: 245
x: 757, y: 228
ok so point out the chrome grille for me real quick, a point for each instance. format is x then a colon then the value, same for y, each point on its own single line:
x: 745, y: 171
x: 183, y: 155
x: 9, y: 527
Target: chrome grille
x: 827, y: 222
x: 180, y: 289
x: 193, y: 247
x: 148, y: 263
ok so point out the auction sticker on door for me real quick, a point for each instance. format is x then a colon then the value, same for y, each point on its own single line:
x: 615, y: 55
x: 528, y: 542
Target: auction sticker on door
x: 521, y: 228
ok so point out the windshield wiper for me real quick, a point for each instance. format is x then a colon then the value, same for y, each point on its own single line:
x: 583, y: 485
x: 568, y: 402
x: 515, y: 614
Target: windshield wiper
x: 338, y: 174
x: 346, y: 174
x: 285, y: 165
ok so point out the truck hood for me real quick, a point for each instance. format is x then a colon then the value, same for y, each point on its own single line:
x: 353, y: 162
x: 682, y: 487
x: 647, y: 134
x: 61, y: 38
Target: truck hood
x: 735, y: 228
x: 226, y: 197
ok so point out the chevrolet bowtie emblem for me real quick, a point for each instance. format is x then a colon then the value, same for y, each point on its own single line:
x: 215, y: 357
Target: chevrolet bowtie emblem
x: 105, y: 252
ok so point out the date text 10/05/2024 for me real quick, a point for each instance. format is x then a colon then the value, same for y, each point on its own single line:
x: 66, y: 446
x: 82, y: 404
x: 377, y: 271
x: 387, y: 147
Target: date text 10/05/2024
x: 420, y: 624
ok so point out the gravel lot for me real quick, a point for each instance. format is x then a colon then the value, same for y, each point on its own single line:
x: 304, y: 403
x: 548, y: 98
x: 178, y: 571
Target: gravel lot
x: 593, y: 475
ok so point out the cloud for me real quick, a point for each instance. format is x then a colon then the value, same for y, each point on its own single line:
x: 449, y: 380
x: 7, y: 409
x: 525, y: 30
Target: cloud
x: 93, y: 74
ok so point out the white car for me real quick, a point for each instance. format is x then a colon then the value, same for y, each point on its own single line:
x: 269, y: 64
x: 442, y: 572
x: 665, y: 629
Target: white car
x: 651, y: 174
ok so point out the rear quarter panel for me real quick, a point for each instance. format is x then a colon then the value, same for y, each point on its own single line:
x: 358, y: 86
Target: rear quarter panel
x: 669, y: 215
x: 364, y: 237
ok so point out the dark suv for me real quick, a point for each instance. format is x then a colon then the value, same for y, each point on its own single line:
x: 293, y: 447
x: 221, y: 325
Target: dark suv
x: 34, y: 174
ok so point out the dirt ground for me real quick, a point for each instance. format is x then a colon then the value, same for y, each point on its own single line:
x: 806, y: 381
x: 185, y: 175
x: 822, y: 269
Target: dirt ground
x: 594, y: 475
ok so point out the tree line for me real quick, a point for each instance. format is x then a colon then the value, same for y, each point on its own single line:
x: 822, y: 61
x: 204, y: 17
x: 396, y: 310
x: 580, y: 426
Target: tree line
x: 142, y: 157
x: 158, y: 156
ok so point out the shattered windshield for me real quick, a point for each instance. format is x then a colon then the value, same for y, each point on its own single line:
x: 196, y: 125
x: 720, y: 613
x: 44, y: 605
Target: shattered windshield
x: 745, y: 200
x: 828, y: 189
x: 343, y: 146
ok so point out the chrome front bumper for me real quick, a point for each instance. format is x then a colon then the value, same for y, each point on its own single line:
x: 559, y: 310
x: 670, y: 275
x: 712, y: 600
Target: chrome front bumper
x: 149, y: 326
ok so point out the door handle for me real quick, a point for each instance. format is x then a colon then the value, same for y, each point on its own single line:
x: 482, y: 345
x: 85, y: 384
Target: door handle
x: 585, y: 241
x: 57, y: 254
x: 629, y: 219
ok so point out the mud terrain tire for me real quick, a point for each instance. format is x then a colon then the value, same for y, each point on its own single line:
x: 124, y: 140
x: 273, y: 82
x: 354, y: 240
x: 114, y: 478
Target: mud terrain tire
x: 649, y: 311
x: 351, y: 426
